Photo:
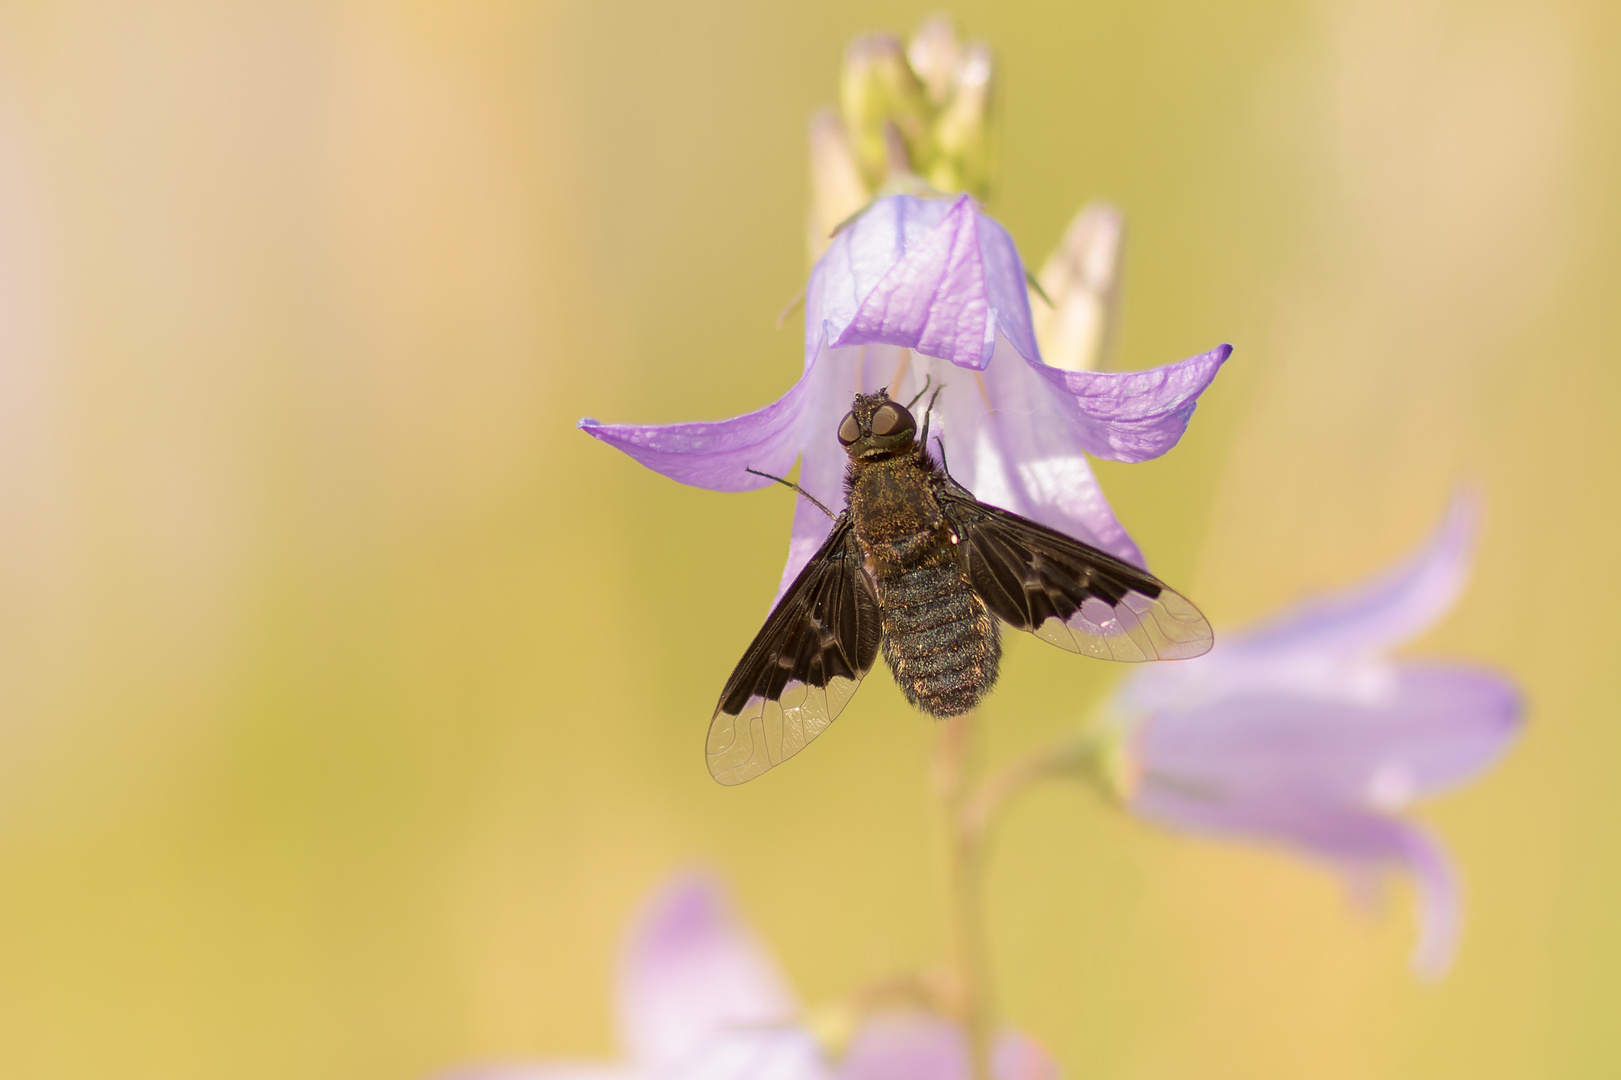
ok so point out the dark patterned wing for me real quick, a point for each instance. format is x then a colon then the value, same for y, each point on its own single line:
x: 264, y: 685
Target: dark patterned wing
x: 1070, y: 593
x: 802, y: 668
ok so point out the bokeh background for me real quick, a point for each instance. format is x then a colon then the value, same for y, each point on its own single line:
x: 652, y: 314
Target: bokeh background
x: 351, y: 700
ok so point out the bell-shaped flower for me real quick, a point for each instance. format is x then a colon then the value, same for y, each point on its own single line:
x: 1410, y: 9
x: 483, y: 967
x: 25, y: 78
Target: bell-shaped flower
x: 700, y: 998
x: 930, y: 291
x: 1303, y: 731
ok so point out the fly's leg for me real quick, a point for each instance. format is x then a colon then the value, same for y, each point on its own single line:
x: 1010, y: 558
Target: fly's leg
x: 790, y: 484
x: 923, y: 439
x: 926, y: 380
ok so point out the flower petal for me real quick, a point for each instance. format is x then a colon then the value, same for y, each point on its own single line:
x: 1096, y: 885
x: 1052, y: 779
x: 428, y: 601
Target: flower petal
x: 782, y: 1053
x: 916, y: 1046
x: 715, y: 454
x: 907, y: 1047
x: 691, y: 971
x: 921, y: 273
x: 1300, y: 733
x: 933, y: 298
x: 1014, y: 443
x: 1440, y: 903
x: 835, y: 377
x: 1018, y: 1057
x: 1133, y: 415
x: 1322, y: 648
x: 1342, y: 836
x: 1414, y: 730
x: 1390, y: 609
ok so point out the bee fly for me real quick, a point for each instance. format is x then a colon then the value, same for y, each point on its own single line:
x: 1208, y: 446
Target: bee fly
x: 919, y: 569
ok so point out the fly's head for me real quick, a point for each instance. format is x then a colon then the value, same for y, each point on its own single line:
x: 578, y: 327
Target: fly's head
x: 876, y: 428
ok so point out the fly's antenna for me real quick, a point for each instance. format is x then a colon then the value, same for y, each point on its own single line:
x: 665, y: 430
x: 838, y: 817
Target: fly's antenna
x: 920, y: 393
x: 790, y: 484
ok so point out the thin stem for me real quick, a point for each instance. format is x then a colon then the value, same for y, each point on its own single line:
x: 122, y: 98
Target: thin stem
x: 967, y: 812
x: 965, y: 911
x: 1066, y: 757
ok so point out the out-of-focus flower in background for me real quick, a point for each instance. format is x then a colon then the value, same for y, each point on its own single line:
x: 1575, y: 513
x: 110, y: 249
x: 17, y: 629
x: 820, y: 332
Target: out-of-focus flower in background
x: 700, y: 998
x: 1304, y: 731
x: 928, y: 290
x: 1077, y: 312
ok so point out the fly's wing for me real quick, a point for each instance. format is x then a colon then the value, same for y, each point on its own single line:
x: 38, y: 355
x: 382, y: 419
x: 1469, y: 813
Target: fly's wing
x: 1070, y: 593
x: 802, y: 668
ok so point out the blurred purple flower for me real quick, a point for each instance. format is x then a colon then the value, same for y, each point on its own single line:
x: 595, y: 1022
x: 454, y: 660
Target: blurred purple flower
x: 701, y: 999
x: 910, y: 289
x: 1303, y: 731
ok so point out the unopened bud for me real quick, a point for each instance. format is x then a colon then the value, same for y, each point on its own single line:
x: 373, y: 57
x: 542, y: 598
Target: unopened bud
x: 960, y: 151
x: 838, y: 189
x: 879, y: 91
x: 933, y: 54
x: 916, y: 119
x: 1082, y: 280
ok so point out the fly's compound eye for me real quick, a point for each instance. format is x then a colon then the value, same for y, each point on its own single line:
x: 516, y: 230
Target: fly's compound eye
x: 849, y: 431
x: 891, y: 418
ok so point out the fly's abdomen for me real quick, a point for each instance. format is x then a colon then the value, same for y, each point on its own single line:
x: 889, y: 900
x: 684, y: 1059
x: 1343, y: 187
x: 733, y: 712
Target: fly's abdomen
x: 939, y: 639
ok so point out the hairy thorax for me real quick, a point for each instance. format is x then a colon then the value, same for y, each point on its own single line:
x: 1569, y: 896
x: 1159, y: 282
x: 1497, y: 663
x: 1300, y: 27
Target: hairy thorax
x: 896, y: 516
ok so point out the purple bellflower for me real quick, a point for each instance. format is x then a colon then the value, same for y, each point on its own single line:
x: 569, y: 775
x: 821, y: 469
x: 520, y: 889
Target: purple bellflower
x: 701, y: 999
x: 1303, y: 731
x: 918, y: 289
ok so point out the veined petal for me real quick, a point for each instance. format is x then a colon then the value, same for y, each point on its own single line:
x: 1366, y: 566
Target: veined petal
x: 692, y: 971
x: 1012, y: 442
x: 925, y: 274
x: 1007, y: 288
x: 933, y: 299
x: 1133, y: 415
x: 715, y: 454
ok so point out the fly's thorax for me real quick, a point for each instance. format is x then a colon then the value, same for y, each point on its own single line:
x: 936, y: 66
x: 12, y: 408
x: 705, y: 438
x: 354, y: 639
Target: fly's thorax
x: 896, y: 516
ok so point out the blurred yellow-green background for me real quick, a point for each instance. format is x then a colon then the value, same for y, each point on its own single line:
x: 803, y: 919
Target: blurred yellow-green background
x: 351, y: 700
